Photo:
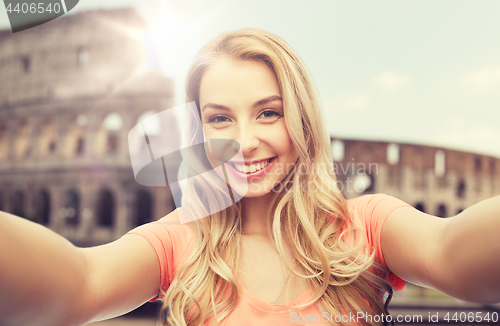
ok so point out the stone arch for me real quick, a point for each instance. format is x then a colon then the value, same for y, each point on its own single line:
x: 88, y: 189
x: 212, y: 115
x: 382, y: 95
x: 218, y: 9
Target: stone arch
x: 83, y: 56
x: 4, y: 142
x: 161, y: 128
x: 108, y: 136
x: 478, y: 164
x: 363, y: 183
x: 23, y: 142
x: 42, y: 207
x: 420, y: 206
x: 26, y: 64
x: 393, y: 154
x: 144, y: 207
x: 47, y: 138
x: 154, y: 124
x: 71, y: 207
x: 105, y: 208
x: 441, y: 210
x: 153, y: 127
x: 74, y: 139
x: 461, y: 188
x: 440, y: 163
x: 19, y: 204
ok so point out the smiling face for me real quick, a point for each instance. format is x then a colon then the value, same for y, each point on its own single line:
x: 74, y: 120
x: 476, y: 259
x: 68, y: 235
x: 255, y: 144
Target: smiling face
x: 241, y: 101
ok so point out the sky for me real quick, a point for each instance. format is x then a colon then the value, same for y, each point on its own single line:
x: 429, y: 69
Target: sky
x: 415, y: 71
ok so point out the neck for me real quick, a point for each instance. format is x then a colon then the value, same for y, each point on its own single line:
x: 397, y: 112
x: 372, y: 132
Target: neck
x: 254, y: 214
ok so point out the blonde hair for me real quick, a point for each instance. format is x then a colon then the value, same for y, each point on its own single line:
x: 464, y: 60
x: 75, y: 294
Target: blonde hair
x: 314, y: 225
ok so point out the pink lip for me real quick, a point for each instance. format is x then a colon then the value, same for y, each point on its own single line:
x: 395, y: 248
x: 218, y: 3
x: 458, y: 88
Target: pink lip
x: 256, y: 174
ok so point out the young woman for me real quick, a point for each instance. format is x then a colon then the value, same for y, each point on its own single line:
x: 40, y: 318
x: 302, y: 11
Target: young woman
x: 291, y: 251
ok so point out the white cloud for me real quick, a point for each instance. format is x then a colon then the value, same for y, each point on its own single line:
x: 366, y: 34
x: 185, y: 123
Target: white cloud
x: 356, y: 102
x: 460, y: 134
x: 481, y: 81
x: 391, y: 81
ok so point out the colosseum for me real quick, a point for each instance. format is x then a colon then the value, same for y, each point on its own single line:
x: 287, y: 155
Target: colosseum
x: 74, y: 87
x: 435, y: 180
x: 71, y: 91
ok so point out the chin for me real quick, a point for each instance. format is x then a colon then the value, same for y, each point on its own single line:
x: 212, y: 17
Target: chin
x: 252, y: 191
x: 259, y: 191
x: 255, y: 194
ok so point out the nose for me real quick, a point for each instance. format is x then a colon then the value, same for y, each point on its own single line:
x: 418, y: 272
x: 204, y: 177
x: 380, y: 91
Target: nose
x: 248, y: 140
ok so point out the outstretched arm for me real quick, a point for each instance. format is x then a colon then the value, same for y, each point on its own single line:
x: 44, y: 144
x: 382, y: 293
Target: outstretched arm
x: 459, y: 256
x: 40, y: 273
x: 46, y: 280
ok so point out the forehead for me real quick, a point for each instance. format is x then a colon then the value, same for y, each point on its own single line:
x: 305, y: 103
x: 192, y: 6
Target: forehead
x: 234, y: 83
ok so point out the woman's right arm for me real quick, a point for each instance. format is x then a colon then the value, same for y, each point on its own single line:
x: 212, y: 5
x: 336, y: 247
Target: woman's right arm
x: 46, y: 280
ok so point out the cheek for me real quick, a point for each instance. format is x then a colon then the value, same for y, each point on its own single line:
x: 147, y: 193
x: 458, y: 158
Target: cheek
x: 280, y: 138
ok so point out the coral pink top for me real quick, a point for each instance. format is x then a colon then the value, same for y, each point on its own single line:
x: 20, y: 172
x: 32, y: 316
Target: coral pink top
x: 172, y: 244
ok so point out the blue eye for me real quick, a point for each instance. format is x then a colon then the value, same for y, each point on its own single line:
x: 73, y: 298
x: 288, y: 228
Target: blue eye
x: 270, y: 114
x: 218, y: 119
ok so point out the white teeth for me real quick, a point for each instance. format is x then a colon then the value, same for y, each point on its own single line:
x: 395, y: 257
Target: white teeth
x: 251, y: 168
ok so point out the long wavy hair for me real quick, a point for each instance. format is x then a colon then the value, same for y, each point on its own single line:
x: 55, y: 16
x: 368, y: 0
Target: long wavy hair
x: 309, y: 215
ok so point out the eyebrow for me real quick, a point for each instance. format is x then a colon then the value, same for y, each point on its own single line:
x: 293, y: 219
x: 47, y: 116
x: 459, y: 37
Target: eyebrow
x: 256, y: 104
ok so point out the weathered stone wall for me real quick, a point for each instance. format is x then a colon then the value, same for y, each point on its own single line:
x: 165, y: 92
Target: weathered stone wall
x: 462, y: 180
x: 70, y: 92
